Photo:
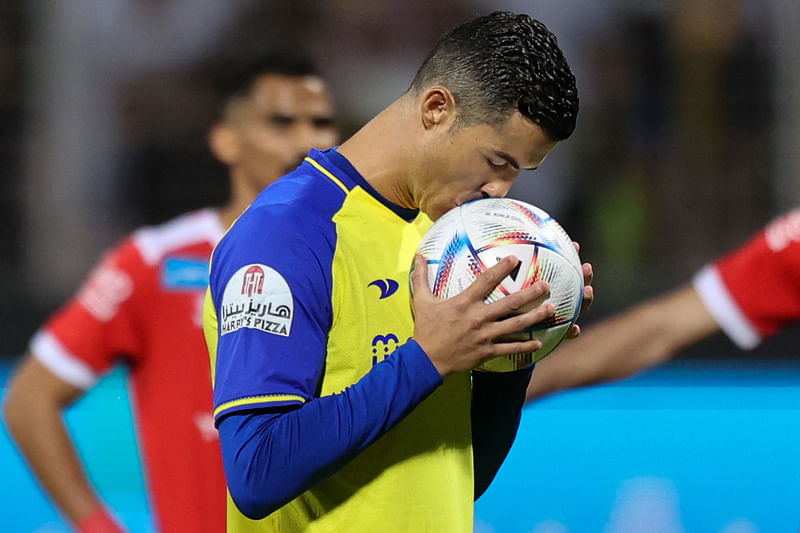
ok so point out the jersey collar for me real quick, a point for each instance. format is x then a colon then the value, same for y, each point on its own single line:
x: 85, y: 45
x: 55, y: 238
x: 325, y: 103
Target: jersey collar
x: 347, y: 174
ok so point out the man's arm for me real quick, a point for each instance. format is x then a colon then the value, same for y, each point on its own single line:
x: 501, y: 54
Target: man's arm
x: 751, y: 293
x: 275, y: 454
x: 497, y: 400
x: 33, y: 412
x: 496, y: 409
x: 271, y: 456
x: 66, y: 357
x: 615, y: 348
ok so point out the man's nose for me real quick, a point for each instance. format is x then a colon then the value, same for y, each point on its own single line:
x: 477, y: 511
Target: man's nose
x: 496, y: 188
x: 305, y: 138
x: 309, y: 134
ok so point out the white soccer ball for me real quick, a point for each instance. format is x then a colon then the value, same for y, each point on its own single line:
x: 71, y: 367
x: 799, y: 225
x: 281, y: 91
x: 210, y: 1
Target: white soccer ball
x: 475, y: 236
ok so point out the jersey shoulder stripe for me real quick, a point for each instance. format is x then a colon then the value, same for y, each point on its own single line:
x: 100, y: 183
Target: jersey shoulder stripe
x: 154, y: 242
x: 328, y: 174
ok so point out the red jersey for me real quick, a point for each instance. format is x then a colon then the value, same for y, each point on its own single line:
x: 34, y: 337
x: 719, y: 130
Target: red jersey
x: 754, y: 291
x: 142, y: 305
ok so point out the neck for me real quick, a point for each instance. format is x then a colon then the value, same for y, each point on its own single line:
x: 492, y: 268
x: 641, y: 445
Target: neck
x: 242, y: 195
x: 380, y: 153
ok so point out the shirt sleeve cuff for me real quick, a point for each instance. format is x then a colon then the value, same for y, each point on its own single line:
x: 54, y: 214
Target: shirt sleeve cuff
x: 49, y: 351
x: 420, y: 364
x: 721, y: 305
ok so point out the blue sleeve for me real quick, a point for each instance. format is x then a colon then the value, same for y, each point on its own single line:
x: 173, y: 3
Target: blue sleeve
x: 272, y: 456
x: 497, y: 400
x: 270, y: 285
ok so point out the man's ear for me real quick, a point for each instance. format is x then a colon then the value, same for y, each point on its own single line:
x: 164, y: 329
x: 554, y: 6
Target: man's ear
x: 224, y: 143
x: 437, y: 107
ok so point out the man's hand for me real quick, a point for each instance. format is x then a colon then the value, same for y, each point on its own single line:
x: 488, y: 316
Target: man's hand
x: 588, y: 297
x: 462, y: 332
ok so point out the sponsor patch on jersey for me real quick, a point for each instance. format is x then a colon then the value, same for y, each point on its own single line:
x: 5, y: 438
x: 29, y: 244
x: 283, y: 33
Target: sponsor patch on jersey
x: 184, y: 273
x: 783, y: 231
x: 257, y: 297
x: 105, y: 290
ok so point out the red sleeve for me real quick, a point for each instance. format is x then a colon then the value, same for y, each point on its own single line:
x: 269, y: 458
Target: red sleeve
x: 100, y: 323
x: 754, y: 291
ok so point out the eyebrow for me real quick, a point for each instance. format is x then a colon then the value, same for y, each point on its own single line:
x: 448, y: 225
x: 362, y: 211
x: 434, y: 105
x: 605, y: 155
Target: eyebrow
x: 279, y: 115
x: 282, y: 117
x: 513, y: 162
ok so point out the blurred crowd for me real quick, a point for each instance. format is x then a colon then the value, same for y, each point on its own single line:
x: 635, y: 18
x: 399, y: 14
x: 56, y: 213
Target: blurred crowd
x: 688, y: 137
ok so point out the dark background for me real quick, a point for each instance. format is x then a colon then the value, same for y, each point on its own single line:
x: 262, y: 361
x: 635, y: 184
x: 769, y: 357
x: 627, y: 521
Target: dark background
x: 688, y: 138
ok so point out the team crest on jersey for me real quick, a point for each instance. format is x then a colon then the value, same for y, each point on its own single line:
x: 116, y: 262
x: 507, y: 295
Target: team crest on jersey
x: 257, y: 297
x: 382, y: 346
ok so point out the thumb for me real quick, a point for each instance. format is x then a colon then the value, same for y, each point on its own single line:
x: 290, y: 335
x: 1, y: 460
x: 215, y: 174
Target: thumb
x: 419, y: 278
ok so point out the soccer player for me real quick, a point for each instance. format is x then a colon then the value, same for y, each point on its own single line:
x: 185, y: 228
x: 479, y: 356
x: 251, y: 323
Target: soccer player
x: 338, y: 409
x: 142, y: 306
x: 749, y: 294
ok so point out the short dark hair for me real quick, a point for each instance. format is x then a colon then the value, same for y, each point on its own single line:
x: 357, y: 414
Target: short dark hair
x: 503, y: 62
x: 237, y: 77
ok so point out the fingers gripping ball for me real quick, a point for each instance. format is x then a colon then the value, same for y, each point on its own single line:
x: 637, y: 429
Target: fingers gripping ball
x: 475, y: 236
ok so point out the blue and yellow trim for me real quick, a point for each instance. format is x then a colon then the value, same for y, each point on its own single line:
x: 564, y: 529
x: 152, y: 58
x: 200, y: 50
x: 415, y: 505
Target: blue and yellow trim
x: 327, y: 173
x: 259, y: 401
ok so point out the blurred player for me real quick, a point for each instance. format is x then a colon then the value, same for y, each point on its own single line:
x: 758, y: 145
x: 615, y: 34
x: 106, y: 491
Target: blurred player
x: 142, y: 306
x: 749, y: 294
x: 332, y: 417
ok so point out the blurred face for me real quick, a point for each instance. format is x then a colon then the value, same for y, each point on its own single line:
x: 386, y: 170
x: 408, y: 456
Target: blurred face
x: 478, y: 161
x: 268, y: 133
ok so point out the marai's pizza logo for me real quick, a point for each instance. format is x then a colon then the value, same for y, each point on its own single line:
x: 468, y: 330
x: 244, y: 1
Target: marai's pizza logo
x: 257, y: 297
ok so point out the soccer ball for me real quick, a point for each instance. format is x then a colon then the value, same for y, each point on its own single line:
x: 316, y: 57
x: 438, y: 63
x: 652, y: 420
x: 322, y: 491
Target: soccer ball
x: 475, y: 236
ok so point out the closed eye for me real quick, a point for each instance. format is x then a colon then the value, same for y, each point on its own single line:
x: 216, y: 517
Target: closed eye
x: 281, y: 121
x: 323, y: 122
x: 495, y: 165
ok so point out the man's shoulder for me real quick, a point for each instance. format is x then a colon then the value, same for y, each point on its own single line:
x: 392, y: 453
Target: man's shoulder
x: 291, y: 227
x: 298, y: 202
x: 196, y: 231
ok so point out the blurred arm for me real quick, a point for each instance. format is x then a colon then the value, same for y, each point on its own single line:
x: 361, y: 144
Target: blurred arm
x: 617, y: 347
x: 497, y: 400
x: 33, y: 412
